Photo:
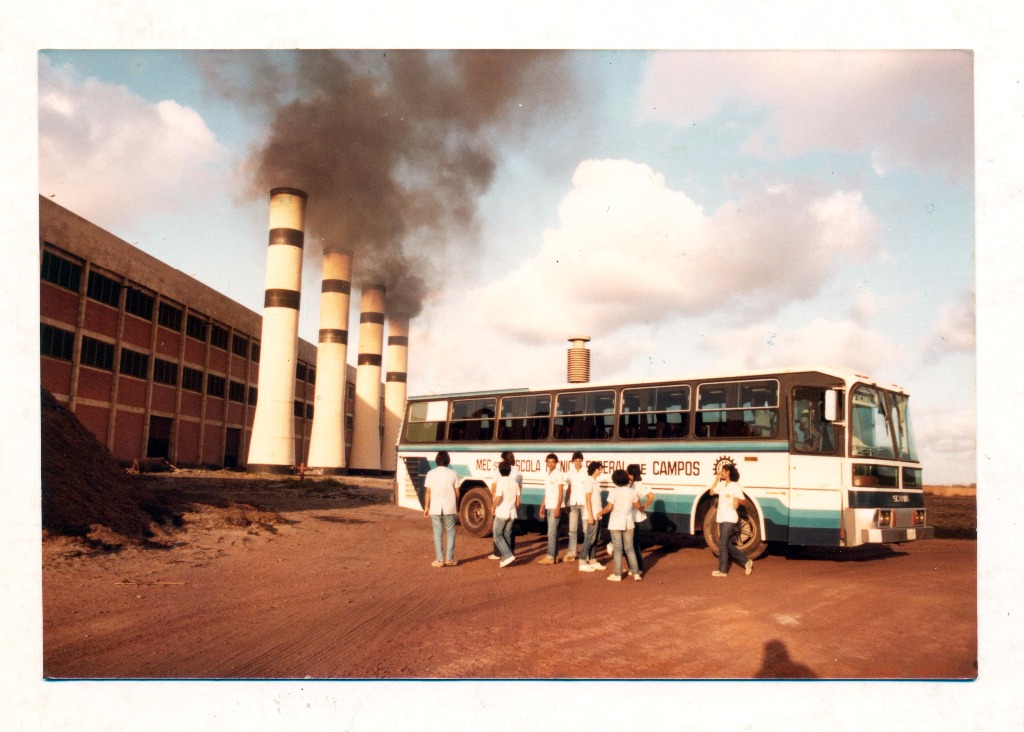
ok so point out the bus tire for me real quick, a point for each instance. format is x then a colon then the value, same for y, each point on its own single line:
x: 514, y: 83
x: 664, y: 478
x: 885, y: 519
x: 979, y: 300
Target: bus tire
x: 747, y: 536
x: 476, y: 514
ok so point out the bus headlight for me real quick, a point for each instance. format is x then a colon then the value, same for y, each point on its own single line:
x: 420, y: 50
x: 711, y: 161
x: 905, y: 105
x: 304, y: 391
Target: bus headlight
x: 884, y: 518
x: 919, y: 517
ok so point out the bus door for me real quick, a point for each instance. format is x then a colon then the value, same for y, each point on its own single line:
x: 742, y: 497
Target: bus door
x: 815, y: 471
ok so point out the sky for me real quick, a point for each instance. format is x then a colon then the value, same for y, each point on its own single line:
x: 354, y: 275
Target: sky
x: 690, y: 211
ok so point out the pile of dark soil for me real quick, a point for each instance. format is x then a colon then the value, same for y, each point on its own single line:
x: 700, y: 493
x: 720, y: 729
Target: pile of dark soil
x: 85, y: 493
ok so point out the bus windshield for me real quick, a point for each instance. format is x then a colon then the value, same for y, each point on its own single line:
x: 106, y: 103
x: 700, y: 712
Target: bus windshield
x: 900, y: 411
x: 871, y: 430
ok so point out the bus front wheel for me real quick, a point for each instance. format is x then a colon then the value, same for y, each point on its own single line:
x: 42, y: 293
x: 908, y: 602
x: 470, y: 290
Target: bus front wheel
x: 747, y: 535
x: 476, y: 513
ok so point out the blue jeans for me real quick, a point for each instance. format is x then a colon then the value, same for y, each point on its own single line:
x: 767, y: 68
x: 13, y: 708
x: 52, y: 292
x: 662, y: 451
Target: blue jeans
x: 502, y: 530
x: 448, y: 520
x: 511, y: 538
x: 589, y: 550
x: 727, y: 548
x: 552, y: 520
x: 623, y: 541
x: 637, y: 549
x: 575, y: 519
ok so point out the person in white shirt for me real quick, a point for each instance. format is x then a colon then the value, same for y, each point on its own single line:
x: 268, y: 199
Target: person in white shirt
x: 641, y: 522
x: 621, y: 502
x: 517, y: 476
x: 441, y: 503
x: 575, y: 501
x: 554, y: 489
x: 730, y: 495
x: 506, y: 502
x: 592, y: 508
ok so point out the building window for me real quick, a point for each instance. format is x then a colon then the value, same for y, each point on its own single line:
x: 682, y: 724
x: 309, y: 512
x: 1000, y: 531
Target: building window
x: 195, y: 328
x: 300, y: 371
x: 138, y: 303
x: 297, y: 409
x: 236, y: 391
x: 134, y: 363
x: 192, y: 379
x: 255, y: 353
x: 61, y: 272
x: 97, y: 353
x: 169, y: 317
x: 311, y: 375
x: 215, y: 385
x: 55, y: 342
x: 252, y: 396
x: 219, y: 337
x: 239, y: 345
x: 165, y: 372
x: 103, y: 289
x: 309, y: 411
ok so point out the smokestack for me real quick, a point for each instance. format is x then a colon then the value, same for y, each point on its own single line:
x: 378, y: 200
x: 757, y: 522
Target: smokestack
x: 395, y: 389
x: 366, y: 429
x: 272, y: 444
x: 327, y: 439
x: 579, y: 360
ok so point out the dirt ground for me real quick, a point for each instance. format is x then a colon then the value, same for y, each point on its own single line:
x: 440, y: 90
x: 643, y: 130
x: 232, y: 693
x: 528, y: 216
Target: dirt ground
x: 243, y: 578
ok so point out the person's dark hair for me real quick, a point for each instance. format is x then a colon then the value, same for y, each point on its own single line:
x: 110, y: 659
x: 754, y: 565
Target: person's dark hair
x: 620, y: 477
x: 734, y: 474
x: 633, y: 471
x: 577, y: 455
x: 508, y: 457
x: 504, y: 468
x: 593, y: 466
x: 552, y: 456
x: 443, y: 459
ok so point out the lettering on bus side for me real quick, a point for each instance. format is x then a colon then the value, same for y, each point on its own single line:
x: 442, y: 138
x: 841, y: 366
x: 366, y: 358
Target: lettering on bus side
x: 487, y: 465
x: 676, y: 467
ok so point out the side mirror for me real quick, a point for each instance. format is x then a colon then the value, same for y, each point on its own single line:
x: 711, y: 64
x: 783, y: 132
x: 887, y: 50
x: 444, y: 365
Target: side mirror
x: 831, y: 405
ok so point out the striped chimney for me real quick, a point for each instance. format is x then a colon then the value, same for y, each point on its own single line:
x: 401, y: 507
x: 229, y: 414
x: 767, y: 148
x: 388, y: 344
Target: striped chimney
x: 272, y: 443
x: 327, y: 439
x: 366, y: 428
x: 578, y: 370
x: 395, y: 389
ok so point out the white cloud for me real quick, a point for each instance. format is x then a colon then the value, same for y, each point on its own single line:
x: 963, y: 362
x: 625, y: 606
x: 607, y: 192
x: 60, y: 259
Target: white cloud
x: 953, y: 331
x: 824, y: 342
x: 947, y: 443
x: 115, y: 158
x: 900, y: 108
x: 630, y: 250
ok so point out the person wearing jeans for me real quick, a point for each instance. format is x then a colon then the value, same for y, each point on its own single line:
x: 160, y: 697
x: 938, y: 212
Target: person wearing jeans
x: 588, y: 554
x: 575, y: 502
x: 506, y: 500
x: 551, y: 507
x: 621, y: 502
x: 441, y: 503
x: 730, y: 494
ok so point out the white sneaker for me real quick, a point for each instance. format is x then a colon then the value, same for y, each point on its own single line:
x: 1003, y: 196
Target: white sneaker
x: 597, y: 566
x: 610, y: 548
x: 716, y: 573
x: 750, y: 567
x: 506, y: 562
x: 614, y: 578
x: 585, y: 567
x: 637, y: 577
x: 569, y: 558
x: 494, y: 556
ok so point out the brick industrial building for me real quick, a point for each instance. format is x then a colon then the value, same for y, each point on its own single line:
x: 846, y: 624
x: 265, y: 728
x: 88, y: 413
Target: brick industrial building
x: 152, y: 361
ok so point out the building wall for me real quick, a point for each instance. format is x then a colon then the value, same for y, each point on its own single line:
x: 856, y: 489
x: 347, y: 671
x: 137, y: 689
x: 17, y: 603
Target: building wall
x: 181, y: 381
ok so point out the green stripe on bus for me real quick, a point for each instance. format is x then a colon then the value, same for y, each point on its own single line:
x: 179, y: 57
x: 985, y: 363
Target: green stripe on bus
x: 598, y: 447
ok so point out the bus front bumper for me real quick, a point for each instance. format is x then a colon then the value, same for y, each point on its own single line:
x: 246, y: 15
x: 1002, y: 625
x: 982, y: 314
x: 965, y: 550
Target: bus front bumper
x: 896, y: 536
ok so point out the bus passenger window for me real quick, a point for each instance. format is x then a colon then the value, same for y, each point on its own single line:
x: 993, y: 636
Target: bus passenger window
x: 811, y: 433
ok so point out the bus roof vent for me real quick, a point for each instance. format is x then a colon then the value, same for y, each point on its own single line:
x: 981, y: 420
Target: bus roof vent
x: 579, y: 360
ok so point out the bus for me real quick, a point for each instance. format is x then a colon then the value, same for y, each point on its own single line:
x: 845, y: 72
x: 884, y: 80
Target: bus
x: 826, y: 455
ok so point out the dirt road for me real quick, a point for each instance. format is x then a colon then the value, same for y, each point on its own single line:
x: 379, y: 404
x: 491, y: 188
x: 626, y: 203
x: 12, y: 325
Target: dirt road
x: 333, y: 581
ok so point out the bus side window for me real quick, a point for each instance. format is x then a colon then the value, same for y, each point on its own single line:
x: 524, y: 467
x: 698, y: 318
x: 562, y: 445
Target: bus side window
x: 811, y: 433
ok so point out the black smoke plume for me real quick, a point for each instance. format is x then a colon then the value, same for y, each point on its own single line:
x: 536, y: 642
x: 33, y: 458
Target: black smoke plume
x: 394, y: 148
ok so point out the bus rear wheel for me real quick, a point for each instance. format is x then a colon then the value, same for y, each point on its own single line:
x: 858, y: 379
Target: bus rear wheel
x: 747, y: 535
x: 476, y: 514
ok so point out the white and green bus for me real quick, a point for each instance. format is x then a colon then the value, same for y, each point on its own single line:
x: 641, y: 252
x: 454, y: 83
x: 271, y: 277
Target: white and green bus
x: 826, y: 455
